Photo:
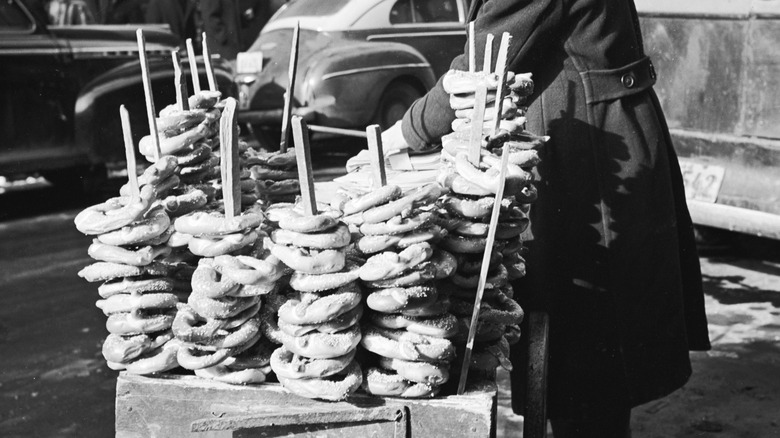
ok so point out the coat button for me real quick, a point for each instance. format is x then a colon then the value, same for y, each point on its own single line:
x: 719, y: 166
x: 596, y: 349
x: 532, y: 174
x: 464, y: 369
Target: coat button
x: 628, y: 80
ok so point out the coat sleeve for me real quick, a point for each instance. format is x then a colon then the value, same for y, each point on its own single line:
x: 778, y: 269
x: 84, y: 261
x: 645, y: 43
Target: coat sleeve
x: 531, y: 23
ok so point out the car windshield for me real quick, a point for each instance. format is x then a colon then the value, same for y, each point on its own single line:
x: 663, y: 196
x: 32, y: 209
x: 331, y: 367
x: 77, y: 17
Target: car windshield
x: 13, y: 18
x: 311, y: 8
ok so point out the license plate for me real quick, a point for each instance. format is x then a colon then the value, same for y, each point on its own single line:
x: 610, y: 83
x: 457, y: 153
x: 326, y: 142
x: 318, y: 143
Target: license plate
x: 702, y: 181
x: 249, y: 62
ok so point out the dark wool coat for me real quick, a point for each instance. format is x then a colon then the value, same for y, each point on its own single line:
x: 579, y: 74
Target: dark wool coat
x: 613, y: 259
x: 221, y: 24
x: 178, y: 14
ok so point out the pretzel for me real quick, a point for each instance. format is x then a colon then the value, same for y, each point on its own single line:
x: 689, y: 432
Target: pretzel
x: 396, y: 299
x: 431, y: 373
x: 389, y: 384
x: 330, y: 388
x: 135, y: 257
x: 400, y: 344
x: 389, y: 264
x: 310, y: 308
x: 115, y: 213
x: 289, y: 365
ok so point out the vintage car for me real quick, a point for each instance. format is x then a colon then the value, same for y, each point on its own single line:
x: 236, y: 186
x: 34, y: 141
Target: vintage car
x: 718, y: 83
x: 61, y: 87
x: 359, y: 61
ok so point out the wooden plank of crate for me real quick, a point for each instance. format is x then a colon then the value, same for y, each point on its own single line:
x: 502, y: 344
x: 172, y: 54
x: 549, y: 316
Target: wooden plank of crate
x: 291, y: 418
x: 169, y: 405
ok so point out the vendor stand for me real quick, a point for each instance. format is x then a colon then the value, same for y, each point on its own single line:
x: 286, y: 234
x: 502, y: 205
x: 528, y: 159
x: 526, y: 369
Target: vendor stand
x: 173, y: 404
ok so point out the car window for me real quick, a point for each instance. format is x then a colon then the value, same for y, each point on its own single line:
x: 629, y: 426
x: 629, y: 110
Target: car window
x: 13, y: 18
x: 70, y: 13
x: 424, y: 11
x: 310, y: 8
x: 401, y: 12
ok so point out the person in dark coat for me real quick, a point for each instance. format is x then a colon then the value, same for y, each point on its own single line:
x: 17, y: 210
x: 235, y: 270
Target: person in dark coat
x: 123, y: 12
x: 178, y: 14
x: 612, y: 258
x: 221, y: 22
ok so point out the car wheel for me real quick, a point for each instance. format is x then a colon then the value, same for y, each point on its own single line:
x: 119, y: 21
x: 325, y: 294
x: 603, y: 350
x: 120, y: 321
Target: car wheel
x: 396, y: 99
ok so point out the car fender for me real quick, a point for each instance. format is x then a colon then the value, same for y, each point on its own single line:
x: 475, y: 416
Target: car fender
x: 98, y: 128
x: 345, y: 82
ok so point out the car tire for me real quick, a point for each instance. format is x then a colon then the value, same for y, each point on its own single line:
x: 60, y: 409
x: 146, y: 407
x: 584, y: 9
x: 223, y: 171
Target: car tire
x: 396, y: 99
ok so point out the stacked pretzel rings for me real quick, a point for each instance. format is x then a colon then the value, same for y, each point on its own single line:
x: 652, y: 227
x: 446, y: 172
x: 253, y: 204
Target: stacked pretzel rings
x: 316, y: 320
x: 275, y: 174
x: 140, y: 276
x: 190, y: 139
x: 397, y: 235
x: 469, y: 205
x: 220, y: 327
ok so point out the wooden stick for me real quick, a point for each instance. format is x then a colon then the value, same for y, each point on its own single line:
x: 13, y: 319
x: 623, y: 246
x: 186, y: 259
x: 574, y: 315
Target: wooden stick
x: 337, y: 131
x: 305, y: 173
x: 151, y: 114
x: 478, y: 119
x: 207, y: 63
x: 127, y: 134
x: 483, y: 273
x: 488, y: 60
x: 503, y: 51
x: 229, y: 164
x: 193, y: 67
x: 182, y: 95
x: 472, y: 49
x: 377, y: 155
x: 288, y: 97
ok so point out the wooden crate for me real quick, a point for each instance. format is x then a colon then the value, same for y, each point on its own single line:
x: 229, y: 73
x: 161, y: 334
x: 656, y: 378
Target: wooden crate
x: 188, y: 406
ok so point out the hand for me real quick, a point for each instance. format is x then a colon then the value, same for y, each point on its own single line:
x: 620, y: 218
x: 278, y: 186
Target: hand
x: 393, y: 140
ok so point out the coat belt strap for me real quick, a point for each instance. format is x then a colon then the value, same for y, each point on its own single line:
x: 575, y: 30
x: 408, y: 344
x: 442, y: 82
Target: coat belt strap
x: 604, y: 85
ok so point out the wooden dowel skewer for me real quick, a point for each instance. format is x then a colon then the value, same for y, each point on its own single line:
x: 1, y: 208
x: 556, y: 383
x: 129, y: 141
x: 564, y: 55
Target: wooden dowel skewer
x: 475, y: 139
x: 303, y: 158
x: 483, y: 273
x: 127, y: 135
x: 472, y: 48
x: 377, y: 155
x: 337, y: 131
x: 193, y: 67
x: 488, y: 60
x: 288, y: 96
x: 207, y: 64
x: 151, y: 114
x: 229, y: 164
x: 182, y: 95
x: 503, y: 51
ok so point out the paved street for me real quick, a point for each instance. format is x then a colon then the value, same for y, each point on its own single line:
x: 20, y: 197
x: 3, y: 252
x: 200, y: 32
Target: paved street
x: 54, y: 382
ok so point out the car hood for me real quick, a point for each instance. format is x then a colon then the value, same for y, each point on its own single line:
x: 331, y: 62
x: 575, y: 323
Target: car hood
x: 91, y: 39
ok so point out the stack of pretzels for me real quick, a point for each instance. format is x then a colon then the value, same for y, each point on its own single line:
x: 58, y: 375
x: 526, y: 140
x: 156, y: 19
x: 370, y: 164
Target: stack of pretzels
x: 220, y: 325
x: 315, y: 320
x: 140, y: 275
x: 220, y: 322
x: 275, y: 173
x: 191, y: 137
x: 408, y: 326
x: 469, y: 204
